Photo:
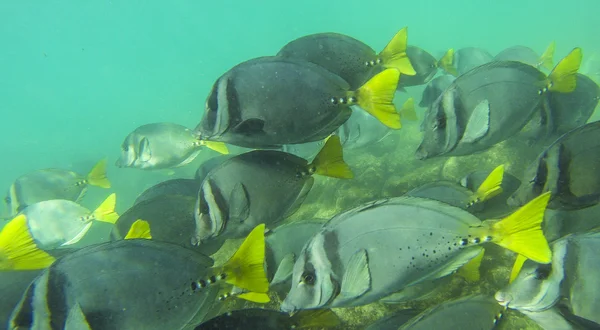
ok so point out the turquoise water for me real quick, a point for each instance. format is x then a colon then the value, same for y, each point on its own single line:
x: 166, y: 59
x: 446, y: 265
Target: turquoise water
x: 77, y: 76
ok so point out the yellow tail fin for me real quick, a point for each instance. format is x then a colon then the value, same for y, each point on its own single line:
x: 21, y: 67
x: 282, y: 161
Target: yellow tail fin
x: 97, y: 176
x: 219, y: 147
x: 394, y: 54
x: 139, y: 229
x: 330, y: 160
x: 447, y: 62
x: 408, y: 110
x: 18, y: 250
x: 246, y: 269
x: 106, y: 211
x: 517, y: 267
x: 547, y: 59
x: 470, y: 271
x: 563, y: 78
x: 376, y: 97
x: 316, y: 318
x: 521, y: 232
x: 490, y: 187
x: 261, y: 298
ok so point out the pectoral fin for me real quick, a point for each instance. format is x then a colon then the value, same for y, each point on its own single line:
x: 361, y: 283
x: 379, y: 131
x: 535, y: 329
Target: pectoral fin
x: 239, y: 203
x: 357, y: 278
x: 478, y: 124
x: 284, y: 270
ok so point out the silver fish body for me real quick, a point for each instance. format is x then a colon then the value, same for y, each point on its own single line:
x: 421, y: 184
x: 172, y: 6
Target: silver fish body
x: 159, y: 146
x: 468, y: 58
x: 434, y: 89
x: 485, y: 106
x: 568, y: 168
x: 343, y: 265
x: 128, y: 284
x: 425, y: 66
x: 519, y: 53
x: 272, y: 101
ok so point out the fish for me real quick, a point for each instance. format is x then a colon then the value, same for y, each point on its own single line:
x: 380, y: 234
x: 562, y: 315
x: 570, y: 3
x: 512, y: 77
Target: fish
x: 424, y: 64
x: 52, y: 183
x: 483, y: 311
x: 261, y: 186
x: 490, y: 104
x: 255, y: 104
x: 162, y: 146
x: 265, y: 319
x: 549, y: 293
x: 208, y: 166
x: 529, y: 56
x: 18, y: 250
x: 12, y: 285
x: 568, y: 169
x: 283, y: 245
x: 434, y: 89
x: 464, y: 60
x: 349, y: 58
x: 184, y: 187
x: 118, y: 285
x: 309, y: 150
x: 496, y: 207
x: 57, y: 223
x: 343, y: 264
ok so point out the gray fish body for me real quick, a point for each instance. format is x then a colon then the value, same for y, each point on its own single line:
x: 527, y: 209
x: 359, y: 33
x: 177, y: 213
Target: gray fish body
x: 522, y: 54
x: 208, y: 165
x: 468, y: 313
x: 184, y: 187
x: 423, y: 250
x: 434, y: 89
x: 272, y: 101
x: 361, y: 130
x: 573, y: 275
x: 481, y: 108
x: 466, y: 59
x: 304, y: 150
x: 338, y: 53
x: 261, y: 186
x: 13, y: 285
x: 425, y: 66
x: 55, y: 222
x: 159, y: 146
x: 496, y: 207
x: 43, y: 185
x: 444, y: 191
x: 568, y: 168
x: 128, y: 284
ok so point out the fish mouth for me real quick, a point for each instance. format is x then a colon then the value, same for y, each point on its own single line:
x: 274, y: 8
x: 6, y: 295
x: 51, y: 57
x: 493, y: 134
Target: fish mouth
x: 503, y: 298
x: 288, y: 308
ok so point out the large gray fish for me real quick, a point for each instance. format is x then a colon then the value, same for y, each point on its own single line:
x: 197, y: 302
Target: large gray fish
x: 424, y: 64
x: 57, y: 223
x: 136, y: 284
x: 265, y: 319
x: 162, y: 145
x: 464, y: 60
x: 489, y: 104
x: 345, y: 265
x: 528, y: 56
x: 272, y: 101
x: 351, y: 59
x: 568, y: 169
x: 482, y: 312
x: 13, y: 285
x: 183, y: 187
x: 569, y: 282
x: 47, y: 184
x: 434, y: 89
x: 261, y: 186
x: 209, y: 164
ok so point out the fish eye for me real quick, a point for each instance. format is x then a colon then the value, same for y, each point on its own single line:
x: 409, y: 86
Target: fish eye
x: 7, y: 199
x: 308, y: 278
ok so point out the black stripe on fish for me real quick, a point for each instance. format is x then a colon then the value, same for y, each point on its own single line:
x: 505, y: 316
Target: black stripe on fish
x: 56, y: 299
x: 24, y: 316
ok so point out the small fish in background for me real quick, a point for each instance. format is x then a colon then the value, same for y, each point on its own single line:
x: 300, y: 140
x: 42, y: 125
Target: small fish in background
x: 57, y: 223
x: 527, y: 55
x: 490, y: 104
x: 424, y: 64
x: 261, y: 186
x: 475, y: 312
x: 47, y: 184
x: 434, y: 89
x: 265, y: 319
x: 118, y: 285
x: 342, y: 265
x: 568, y: 169
x: 560, y: 295
x: 162, y: 146
x: 349, y: 58
x: 464, y: 60
x: 255, y: 104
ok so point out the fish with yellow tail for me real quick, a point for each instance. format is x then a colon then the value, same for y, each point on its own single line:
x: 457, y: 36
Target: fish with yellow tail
x: 137, y: 284
x: 342, y: 265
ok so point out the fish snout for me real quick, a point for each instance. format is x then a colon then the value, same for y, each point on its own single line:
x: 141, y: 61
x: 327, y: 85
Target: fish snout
x: 288, y: 308
x: 421, y: 154
x: 503, y: 298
